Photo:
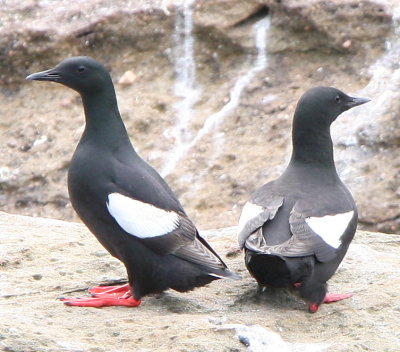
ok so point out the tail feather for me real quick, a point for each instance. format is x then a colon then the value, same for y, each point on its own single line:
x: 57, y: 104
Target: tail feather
x: 224, y: 274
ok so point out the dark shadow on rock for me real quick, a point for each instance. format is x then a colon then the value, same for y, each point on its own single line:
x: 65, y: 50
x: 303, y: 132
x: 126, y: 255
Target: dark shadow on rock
x: 270, y: 298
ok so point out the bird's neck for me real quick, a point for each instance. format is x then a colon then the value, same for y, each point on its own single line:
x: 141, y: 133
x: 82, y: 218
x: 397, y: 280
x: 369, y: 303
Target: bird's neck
x: 103, y: 120
x: 313, y: 149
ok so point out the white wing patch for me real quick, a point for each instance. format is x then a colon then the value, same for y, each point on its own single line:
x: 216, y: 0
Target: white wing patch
x: 249, y: 212
x: 330, y: 227
x: 141, y: 219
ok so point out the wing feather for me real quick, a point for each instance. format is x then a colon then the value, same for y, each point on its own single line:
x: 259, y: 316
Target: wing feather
x: 141, y: 219
x: 304, y: 241
x: 164, y: 231
x: 254, y: 216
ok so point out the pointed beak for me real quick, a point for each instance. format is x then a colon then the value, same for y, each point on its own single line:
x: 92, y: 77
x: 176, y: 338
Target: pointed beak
x: 48, y: 75
x: 356, y: 102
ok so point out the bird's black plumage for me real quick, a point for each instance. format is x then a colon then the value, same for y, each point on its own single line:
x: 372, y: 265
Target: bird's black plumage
x: 122, y: 200
x: 297, y: 228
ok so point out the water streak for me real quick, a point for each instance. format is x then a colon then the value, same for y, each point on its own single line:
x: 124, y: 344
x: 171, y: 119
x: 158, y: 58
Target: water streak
x: 360, y: 128
x: 383, y: 88
x: 185, y: 83
x: 213, y: 121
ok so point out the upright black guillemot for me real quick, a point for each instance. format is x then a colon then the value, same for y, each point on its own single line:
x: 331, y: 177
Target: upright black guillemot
x: 296, y: 229
x: 125, y: 203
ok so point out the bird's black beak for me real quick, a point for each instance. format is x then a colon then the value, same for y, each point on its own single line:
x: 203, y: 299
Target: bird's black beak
x: 48, y: 75
x: 352, y: 102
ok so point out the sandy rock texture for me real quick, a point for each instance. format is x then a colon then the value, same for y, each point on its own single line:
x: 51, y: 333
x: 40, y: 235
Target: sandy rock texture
x: 42, y: 259
x: 329, y: 25
x: 350, y: 44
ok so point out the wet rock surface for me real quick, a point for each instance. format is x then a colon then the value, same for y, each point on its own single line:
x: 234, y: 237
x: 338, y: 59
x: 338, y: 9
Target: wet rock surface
x: 307, y: 45
x: 42, y: 259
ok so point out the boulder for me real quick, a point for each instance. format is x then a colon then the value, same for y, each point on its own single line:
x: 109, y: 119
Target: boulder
x: 42, y: 259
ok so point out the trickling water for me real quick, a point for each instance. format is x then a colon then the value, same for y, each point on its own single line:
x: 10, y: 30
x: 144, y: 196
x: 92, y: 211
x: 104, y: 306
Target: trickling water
x: 185, y: 66
x: 383, y: 88
x: 361, y: 126
x: 185, y: 83
x: 213, y: 121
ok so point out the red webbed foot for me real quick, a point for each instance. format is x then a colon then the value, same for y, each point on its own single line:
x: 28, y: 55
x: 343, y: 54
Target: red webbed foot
x: 101, y: 302
x: 105, y: 296
x: 334, y: 297
x: 329, y: 298
x: 119, y: 290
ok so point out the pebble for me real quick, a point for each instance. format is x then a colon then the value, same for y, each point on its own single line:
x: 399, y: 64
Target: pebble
x: 100, y: 253
x: 127, y: 78
x: 347, y: 44
x: 37, y: 276
x: 217, y: 320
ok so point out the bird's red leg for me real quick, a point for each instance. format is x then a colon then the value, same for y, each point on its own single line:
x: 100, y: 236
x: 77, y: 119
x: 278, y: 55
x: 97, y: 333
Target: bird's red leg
x: 329, y: 298
x: 105, y: 297
x: 120, y: 290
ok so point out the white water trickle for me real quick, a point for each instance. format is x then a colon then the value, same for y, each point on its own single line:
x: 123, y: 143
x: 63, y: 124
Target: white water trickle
x: 185, y: 83
x: 361, y: 126
x: 382, y: 89
x: 261, y: 28
x: 213, y: 121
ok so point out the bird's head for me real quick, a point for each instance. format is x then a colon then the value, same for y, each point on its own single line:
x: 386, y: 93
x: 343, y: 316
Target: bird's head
x: 83, y: 74
x: 323, y: 105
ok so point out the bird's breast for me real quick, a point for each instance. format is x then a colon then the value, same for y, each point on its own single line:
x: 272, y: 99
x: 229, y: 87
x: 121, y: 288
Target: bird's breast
x: 89, y: 180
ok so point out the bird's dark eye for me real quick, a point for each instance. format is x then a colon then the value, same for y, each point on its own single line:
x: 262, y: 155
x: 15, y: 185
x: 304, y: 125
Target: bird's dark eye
x: 81, y: 69
x: 337, y: 99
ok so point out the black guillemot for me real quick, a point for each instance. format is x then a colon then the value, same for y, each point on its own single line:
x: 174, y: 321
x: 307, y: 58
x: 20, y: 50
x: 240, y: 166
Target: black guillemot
x: 296, y: 229
x: 125, y: 203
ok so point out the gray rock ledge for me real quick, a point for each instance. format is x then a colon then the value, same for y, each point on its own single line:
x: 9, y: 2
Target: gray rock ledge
x: 41, y: 259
